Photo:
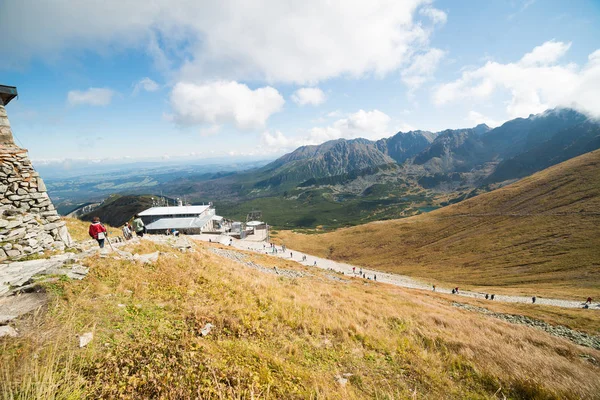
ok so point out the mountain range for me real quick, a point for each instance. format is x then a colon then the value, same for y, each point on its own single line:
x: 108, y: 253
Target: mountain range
x: 344, y: 182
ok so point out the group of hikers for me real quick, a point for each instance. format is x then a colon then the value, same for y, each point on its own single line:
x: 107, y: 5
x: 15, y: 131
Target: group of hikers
x: 98, y: 231
x: 363, y: 274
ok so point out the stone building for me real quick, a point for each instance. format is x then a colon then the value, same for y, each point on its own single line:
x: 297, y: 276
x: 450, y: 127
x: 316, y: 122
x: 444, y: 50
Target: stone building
x: 29, y: 223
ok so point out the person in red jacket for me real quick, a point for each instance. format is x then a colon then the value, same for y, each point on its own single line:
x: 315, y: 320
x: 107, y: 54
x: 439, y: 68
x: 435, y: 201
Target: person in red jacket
x: 98, y: 231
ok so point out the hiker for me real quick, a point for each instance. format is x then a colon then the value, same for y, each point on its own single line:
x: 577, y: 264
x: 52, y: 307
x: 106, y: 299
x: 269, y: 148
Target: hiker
x: 138, y: 226
x: 588, y: 301
x: 315, y: 264
x: 453, y: 291
x: 360, y: 272
x: 291, y: 256
x: 486, y: 296
x: 374, y: 277
x: 493, y: 296
x: 434, y: 288
x: 354, y: 270
x: 533, y: 300
x: 456, y: 288
x: 126, y: 232
x: 97, y: 231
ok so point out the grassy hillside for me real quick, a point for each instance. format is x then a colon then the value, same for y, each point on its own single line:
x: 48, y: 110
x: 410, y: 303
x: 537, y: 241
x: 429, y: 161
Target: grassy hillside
x: 274, y: 337
x: 118, y: 209
x: 540, y: 235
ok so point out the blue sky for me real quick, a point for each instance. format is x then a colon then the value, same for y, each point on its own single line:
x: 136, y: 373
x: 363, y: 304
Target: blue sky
x: 156, y: 79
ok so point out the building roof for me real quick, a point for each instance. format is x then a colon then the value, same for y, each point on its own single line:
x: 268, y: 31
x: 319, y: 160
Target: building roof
x: 179, y: 223
x: 7, y: 93
x: 254, y: 223
x: 179, y: 210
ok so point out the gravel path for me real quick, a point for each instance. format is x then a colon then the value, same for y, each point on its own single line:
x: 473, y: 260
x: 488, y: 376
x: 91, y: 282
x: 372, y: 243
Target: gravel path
x: 394, y: 279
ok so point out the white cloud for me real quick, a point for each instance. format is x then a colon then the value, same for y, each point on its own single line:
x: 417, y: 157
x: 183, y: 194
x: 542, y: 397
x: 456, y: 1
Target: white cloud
x: 224, y: 102
x: 437, y: 16
x: 146, y: 84
x: 92, y: 97
x: 546, y: 54
x: 365, y: 124
x: 536, y: 82
x: 278, y: 141
x: 422, y: 68
x: 313, y: 96
x: 268, y: 40
x: 361, y: 124
x: 477, y: 118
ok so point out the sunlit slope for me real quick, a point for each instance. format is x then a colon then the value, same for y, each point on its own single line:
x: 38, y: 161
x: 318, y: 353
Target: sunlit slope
x: 540, y: 235
x: 316, y: 335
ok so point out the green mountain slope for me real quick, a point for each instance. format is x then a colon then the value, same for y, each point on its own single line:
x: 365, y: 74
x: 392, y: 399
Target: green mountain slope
x: 540, y: 235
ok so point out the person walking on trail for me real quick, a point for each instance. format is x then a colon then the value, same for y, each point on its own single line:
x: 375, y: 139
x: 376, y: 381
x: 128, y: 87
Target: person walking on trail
x: 291, y: 256
x: 97, y: 231
x: 138, y: 226
x: 374, y: 277
x: 433, y: 288
x: 533, y: 299
x: 354, y: 270
x: 492, y: 297
x: 315, y: 264
x: 588, y: 301
x: 486, y: 296
x: 126, y: 232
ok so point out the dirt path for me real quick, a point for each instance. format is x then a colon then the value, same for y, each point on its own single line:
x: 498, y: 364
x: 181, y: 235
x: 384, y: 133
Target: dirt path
x: 394, y: 279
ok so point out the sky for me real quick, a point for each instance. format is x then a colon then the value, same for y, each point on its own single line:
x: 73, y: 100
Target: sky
x: 125, y: 79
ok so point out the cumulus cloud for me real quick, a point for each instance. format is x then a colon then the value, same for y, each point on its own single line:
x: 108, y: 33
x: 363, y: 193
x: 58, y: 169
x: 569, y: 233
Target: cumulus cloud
x: 437, y: 16
x: 146, y: 84
x: 546, y: 54
x: 422, y: 68
x: 365, y: 124
x: 477, y: 118
x: 361, y: 124
x: 224, y: 102
x: 313, y: 96
x: 271, y: 40
x: 277, y: 141
x: 536, y: 82
x: 92, y: 97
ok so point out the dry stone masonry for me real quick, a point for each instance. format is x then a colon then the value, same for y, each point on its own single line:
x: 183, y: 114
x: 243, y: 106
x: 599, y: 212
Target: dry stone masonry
x: 29, y: 223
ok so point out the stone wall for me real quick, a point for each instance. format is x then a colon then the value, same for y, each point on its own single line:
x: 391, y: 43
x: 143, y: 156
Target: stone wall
x: 29, y: 223
x: 6, y: 137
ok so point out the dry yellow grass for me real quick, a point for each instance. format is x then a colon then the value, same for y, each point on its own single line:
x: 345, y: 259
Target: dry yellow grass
x: 538, y: 236
x: 79, y: 229
x: 275, y: 338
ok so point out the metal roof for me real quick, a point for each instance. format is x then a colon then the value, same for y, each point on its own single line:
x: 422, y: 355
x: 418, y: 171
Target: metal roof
x: 179, y: 223
x: 7, y: 93
x: 179, y: 210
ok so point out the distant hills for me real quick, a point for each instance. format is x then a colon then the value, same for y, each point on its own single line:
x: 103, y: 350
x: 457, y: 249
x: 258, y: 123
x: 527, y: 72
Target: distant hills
x: 538, y: 236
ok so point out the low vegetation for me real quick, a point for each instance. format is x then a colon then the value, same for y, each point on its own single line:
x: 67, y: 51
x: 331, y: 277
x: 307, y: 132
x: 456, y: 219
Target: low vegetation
x: 79, y: 229
x: 274, y: 337
x: 538, y: 236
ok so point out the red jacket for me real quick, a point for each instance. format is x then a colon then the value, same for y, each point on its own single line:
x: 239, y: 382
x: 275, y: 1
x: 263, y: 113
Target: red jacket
x: 95, y: 229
